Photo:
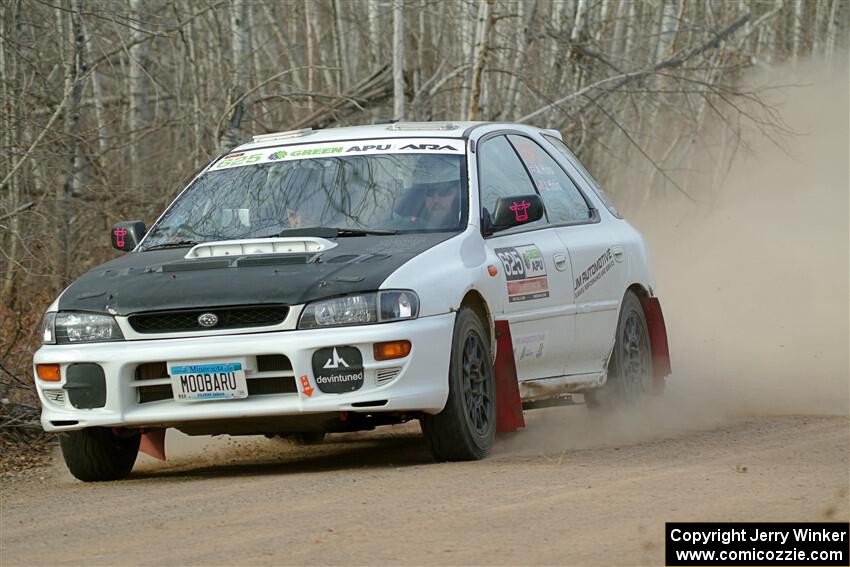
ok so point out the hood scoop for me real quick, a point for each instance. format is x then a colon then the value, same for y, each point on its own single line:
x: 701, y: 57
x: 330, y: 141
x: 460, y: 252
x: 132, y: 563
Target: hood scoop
x: 281, y: 245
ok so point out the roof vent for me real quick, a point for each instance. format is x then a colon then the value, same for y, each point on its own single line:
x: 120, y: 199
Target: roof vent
x: 283, y: 135
x: 423, y: 126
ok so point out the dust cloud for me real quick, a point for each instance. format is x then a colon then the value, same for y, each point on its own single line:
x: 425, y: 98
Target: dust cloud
x: 753, y: 280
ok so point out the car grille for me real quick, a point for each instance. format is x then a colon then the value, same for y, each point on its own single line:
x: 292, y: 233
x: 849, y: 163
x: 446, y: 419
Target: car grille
x: 228, y: 318
x: 273, y: 376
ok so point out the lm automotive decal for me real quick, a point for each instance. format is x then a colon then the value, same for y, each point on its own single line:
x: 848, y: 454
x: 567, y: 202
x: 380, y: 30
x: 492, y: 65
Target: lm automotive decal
x: 525, y: 271
x: 594, y: 272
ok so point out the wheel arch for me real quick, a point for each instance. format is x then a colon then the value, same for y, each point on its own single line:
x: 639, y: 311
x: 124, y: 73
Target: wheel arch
x: 475, y: 301
x: 657, y: 328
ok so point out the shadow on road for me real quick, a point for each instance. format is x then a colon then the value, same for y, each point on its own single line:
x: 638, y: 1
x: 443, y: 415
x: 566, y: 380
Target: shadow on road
x: 258, y: 457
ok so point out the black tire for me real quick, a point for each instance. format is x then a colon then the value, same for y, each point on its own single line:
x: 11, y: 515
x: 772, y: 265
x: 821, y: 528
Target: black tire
x: 307, y: 438
x: 465, y: 429
x: 98, y: 454
x: 630, y: 366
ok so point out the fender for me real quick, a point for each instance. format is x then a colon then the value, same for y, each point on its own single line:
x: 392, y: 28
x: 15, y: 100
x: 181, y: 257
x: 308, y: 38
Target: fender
x: 657, y: 339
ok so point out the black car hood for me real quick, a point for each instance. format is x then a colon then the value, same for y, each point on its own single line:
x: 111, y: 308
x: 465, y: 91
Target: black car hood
x: 164, y: 280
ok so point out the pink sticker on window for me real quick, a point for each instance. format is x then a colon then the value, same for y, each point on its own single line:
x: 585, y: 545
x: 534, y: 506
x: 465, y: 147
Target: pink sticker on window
x: 520, y: 210
x: 120, y: 233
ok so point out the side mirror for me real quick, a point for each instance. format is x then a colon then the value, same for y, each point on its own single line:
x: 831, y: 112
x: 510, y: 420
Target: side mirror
x: 514, y: 211
x: 127, y: 235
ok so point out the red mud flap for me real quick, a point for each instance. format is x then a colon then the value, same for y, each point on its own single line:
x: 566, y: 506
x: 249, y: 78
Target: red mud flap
x: 153, y: 444
x: 508, y: 403
x: 658, y: 341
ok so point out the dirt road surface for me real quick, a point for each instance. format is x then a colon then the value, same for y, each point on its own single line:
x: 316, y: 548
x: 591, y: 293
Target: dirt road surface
x: 543, y: 497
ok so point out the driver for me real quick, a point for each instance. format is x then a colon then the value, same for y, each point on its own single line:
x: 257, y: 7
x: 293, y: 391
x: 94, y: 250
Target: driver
x: 441, y: 207
x: 433, y: 200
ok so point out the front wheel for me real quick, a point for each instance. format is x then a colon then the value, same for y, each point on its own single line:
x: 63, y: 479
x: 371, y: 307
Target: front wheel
x: 98, y: 454
x: 630, y: 366
x: 465, y: 429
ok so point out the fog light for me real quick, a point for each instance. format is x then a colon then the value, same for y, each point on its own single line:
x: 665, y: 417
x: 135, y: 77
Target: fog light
x: 48, y: 372
x: 392, y: 349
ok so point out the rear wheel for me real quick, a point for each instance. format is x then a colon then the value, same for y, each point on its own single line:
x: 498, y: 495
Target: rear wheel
x: 98, y: 454
x: 465, y: 429
x: 630, y: 367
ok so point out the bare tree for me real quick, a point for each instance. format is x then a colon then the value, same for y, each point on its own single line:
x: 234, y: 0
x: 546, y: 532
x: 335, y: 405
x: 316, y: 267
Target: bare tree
x: 398, y: 59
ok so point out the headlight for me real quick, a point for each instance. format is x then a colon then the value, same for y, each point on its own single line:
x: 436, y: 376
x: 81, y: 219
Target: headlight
x: 71, y: 328
x: 48, y: 336
x: 360, y: 309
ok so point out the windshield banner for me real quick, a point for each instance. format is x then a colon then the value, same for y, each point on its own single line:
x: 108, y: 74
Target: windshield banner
x: 341, y: 149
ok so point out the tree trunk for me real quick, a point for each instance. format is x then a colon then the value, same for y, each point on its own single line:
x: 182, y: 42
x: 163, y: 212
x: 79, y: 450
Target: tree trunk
x: 467, y: 40
x: 311, y: 56
x: 831, y: 31
x: 240, y: 72
x: 482, y: 47
x: 75, y: 69
x: 374, y: 14
x: 11, y: 126
x: 343, y: 49
x: 797, y: 30
x: 523, y: 42
x: 398, y: 59
x: 139, y: 112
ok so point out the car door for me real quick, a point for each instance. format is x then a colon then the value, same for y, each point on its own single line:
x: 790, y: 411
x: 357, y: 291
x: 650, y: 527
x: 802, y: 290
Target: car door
x: 536, y: 271
x: 597, y: 260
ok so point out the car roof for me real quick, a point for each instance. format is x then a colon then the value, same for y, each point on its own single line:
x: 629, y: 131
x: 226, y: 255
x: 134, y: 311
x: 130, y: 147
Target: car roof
x: 447, y: 129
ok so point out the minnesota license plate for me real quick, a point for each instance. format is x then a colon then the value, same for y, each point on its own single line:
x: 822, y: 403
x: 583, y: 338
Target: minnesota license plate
x: 203, y: 381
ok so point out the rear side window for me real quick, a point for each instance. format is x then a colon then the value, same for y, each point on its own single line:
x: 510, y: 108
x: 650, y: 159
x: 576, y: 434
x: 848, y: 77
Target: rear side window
x: 501, y: 174
x: 603, y: 196
x: 564, y: 202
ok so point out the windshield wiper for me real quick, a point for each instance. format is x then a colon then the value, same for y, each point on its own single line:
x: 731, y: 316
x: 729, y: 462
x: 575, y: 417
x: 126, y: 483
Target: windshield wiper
x: 363, y: 232
x: 330, y: 232
x: 178, y: 244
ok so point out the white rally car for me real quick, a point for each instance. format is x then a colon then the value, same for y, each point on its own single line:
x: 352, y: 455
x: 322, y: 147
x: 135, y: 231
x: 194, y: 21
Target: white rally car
x: 335, y: 280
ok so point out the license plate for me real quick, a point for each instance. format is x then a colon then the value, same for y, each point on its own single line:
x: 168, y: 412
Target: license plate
x: 204, y: 381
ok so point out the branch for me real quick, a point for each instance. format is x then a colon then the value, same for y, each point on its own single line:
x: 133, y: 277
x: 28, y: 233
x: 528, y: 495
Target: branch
x: 20, y: 209
x: 618, y: 81
x: 65, y: 96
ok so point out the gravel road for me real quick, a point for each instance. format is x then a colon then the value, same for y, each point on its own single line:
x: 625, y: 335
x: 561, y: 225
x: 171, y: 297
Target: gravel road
x: 564, y: 491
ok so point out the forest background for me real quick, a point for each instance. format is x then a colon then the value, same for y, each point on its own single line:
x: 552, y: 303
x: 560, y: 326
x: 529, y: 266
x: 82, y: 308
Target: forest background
x: 108, y: 108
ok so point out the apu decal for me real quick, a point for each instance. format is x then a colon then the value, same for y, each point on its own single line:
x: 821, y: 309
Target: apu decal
x: 525, y: 272
x: 520, y: 210
x: 120, y: 233
x: 594, y: 272
x: 380, y: 147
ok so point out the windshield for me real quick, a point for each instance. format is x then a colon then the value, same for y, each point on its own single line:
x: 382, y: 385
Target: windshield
x: 263, y: 193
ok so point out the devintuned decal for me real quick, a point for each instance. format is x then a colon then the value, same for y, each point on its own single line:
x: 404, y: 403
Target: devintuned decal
x: 338, y: 148
x: 338, y: 370
x: 594, y: 272
x: 525, y: 272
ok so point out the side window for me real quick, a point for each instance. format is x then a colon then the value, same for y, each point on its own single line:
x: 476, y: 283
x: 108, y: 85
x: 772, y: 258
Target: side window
x: 501, y: 174
x: 603, y: 196
x: 563, y: 201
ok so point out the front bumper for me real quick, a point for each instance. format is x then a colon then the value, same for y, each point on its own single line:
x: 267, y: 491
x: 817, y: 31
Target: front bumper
x: 418, y: 382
